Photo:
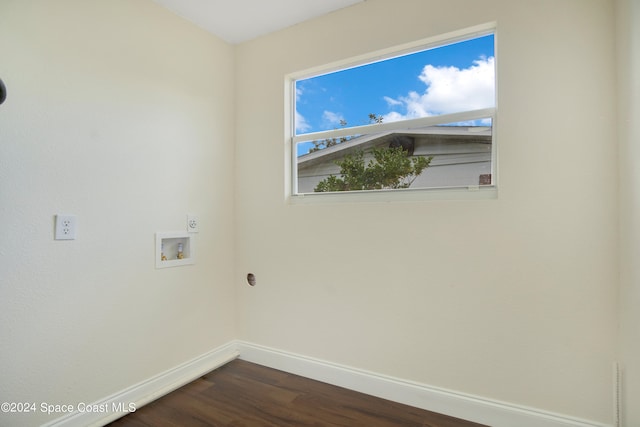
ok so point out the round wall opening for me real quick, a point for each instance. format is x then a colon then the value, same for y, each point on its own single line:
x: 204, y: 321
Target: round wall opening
x: 251, y: 279
x: 3, y: 92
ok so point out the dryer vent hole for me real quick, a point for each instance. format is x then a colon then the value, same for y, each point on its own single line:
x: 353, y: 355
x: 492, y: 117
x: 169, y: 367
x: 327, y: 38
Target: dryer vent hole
x: 251, y: 279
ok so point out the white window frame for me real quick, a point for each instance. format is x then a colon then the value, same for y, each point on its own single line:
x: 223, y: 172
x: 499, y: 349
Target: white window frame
x: 425, y: 193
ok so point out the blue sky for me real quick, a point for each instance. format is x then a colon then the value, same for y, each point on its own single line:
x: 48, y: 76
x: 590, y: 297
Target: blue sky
x: 442, y: 80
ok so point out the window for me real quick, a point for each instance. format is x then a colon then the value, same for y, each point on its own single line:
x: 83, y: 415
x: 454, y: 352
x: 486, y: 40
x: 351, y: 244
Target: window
x: 418, y: 118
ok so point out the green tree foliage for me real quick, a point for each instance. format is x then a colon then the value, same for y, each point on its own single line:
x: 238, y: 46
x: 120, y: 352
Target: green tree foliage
x: 330, y: 142
x: 390, y: 168
x: 374, y: 118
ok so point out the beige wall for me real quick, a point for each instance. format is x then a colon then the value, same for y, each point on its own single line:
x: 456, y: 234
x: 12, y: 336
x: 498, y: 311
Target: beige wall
x: 121, y: 113
x: 628, y: 26
x: 512, y: 299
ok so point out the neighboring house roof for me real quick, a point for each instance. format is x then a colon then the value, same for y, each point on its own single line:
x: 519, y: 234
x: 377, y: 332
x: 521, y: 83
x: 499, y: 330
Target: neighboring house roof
x: 468, y: 134
x: 461, y: 154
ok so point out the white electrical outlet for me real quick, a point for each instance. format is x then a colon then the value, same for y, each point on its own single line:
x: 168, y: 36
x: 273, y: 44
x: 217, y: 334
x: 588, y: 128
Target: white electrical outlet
x: 66, y: 227
x: 192, y: 224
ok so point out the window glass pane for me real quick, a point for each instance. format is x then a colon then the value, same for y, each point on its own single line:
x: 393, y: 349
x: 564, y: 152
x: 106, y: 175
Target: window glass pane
x: 448, y: 155
x: 452, y: 78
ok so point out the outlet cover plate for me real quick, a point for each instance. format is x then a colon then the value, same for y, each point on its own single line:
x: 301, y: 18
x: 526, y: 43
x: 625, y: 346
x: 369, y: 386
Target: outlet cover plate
x: 193, y: 224
x: 66, y: 227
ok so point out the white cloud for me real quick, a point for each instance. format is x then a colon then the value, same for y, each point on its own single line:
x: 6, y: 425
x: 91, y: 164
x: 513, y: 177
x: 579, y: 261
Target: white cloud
x: 449, y: 90
x: 392, y: 102
x: 301, y: 124
x: 393, y: 116
x: 332, y: 119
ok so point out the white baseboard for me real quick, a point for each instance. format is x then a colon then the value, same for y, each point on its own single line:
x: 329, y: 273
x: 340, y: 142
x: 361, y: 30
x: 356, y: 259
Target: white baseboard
x: 460, y: 405
x: 106, y: 410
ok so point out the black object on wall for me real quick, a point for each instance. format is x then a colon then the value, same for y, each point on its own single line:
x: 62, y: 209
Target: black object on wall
x: 3, y: 92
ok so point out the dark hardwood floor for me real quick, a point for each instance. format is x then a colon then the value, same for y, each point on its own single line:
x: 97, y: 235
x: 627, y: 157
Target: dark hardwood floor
x: 245, y: 394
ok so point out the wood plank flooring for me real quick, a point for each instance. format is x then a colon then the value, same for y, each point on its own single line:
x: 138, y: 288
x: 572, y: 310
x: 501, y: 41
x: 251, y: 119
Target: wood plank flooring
x: 245, y: 394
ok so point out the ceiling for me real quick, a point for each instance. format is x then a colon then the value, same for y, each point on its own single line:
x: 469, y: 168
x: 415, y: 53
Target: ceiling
x: 236, y: 21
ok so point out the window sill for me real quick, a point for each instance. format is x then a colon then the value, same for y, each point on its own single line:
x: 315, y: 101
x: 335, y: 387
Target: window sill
x: 389, y: 196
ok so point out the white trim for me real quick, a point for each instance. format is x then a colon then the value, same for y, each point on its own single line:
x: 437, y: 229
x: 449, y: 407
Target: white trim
x: 461, y: 405
x: 617, y: 390
x: 292, y: 140
x: 149, y: 390
x: 488, y: 192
